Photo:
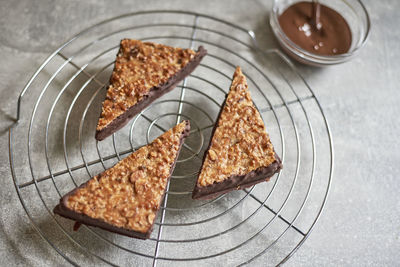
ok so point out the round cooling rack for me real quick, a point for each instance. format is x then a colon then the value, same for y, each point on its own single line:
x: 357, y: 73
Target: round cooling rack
x: 57, y: 116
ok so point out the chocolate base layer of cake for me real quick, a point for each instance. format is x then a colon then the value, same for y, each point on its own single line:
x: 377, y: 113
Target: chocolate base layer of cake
x: 237, y: 182
x: 63, y: 210
x: 154, y: 93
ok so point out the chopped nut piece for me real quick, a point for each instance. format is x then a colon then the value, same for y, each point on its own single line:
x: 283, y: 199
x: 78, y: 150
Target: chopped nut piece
x: 150, y: 218
x: 136, y: 175
x: 212, y: 154
x: 140, y: 186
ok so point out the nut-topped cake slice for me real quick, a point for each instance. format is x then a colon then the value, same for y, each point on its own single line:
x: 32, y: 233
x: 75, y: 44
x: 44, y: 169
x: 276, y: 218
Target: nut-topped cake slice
x: 240, y: 153
x: 143, y: 72
x: 125, y: 199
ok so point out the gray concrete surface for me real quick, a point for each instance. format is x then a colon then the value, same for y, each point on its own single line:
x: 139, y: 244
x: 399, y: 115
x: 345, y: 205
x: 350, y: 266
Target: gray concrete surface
x: 361, y: 223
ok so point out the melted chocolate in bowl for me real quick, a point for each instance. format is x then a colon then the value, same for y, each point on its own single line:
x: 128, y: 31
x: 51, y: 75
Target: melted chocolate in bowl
x: 328, y: 34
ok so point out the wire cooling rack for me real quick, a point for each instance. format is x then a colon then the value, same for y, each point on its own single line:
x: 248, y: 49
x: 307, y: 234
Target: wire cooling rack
x: 57, y: 115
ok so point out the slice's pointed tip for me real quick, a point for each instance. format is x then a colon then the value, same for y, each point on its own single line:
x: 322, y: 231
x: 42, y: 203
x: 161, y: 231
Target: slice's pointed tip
x: 201, y: 50
x: 183, y: 127
x: 238, y: 71
x: 239, y: 74
x: 99, y: 136
x: 187, y: 124
x: 239, y: 81
x: 195, y: 193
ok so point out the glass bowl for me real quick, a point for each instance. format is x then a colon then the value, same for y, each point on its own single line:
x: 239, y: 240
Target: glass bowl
x: 354, y: 13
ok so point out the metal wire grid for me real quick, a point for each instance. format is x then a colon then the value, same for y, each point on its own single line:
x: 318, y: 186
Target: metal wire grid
x: 193, y: 153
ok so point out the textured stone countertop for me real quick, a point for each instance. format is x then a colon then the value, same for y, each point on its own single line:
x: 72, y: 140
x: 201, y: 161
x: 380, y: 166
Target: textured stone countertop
x: 360, y: 225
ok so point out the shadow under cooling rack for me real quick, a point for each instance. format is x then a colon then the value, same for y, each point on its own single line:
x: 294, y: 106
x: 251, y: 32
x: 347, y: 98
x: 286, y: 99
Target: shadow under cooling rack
x: 52, y: 149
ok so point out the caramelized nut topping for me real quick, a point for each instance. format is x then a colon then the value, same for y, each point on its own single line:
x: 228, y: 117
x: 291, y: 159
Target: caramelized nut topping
x: 212, y: 154
x: 139, y: 67
x: 240, y: 143
x: 129, y: 194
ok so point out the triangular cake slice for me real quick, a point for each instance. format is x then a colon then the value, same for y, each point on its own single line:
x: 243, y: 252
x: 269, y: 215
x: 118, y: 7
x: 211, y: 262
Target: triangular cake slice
x: 240, y: 153
x: 143, y: 72
x: 125, y: 199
